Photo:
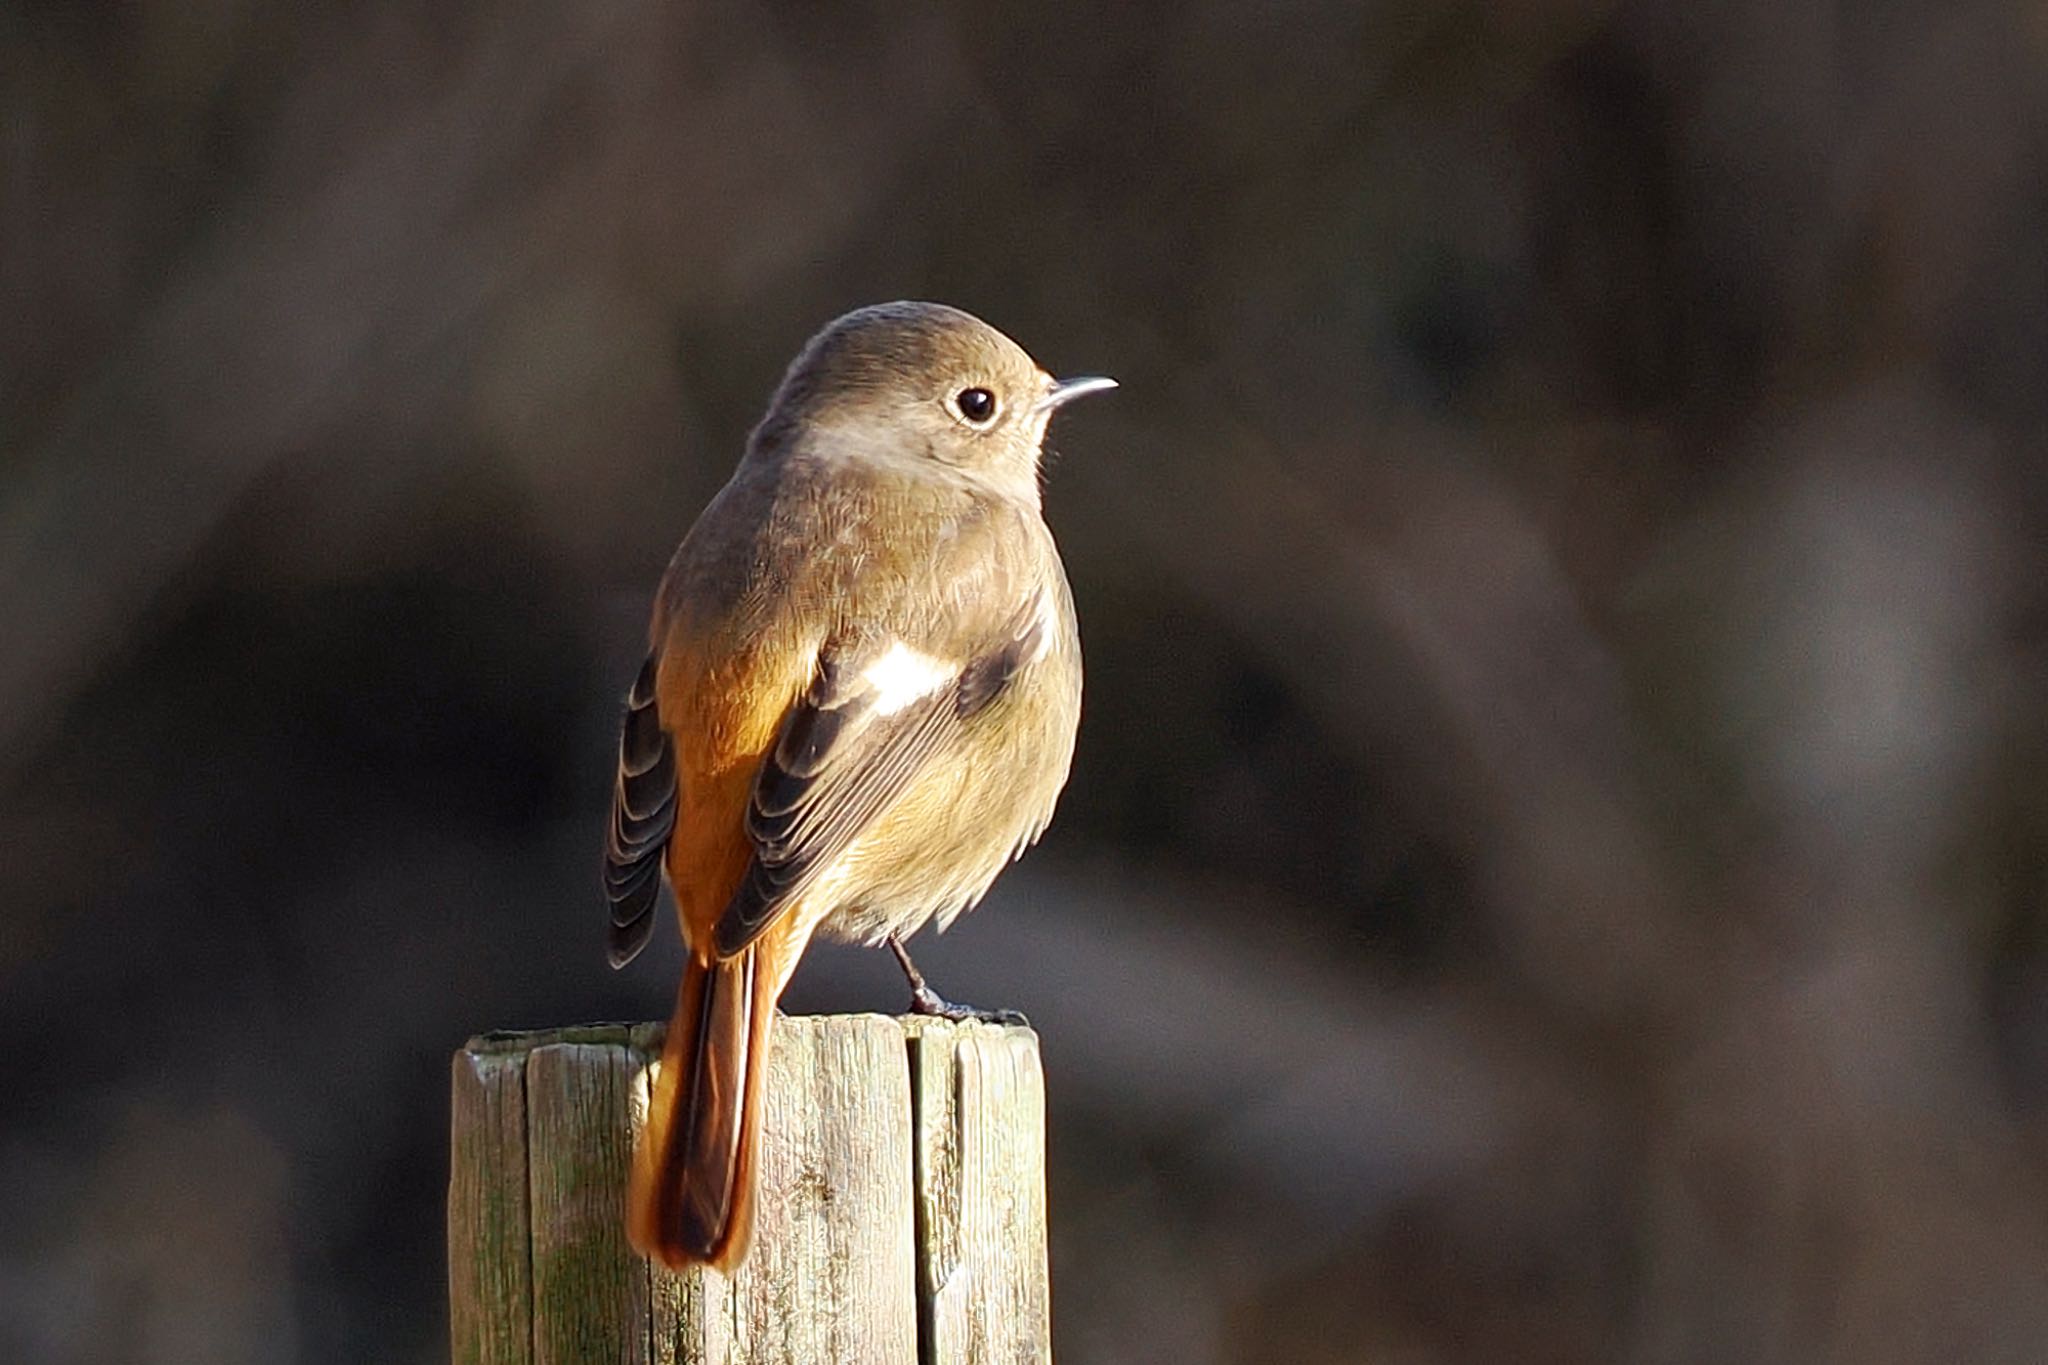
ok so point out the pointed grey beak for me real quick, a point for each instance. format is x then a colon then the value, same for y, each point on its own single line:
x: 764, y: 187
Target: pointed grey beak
x: 1067, y: 390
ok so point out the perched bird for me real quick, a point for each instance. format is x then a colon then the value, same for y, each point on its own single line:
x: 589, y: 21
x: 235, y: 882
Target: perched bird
x: 858, y: 706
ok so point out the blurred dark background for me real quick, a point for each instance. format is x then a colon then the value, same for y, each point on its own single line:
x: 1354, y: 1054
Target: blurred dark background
x: 1557, y: 864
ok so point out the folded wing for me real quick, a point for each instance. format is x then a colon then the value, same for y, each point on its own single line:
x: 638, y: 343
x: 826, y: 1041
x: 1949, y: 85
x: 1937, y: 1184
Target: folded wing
x: 876, y: 713
x: 643, y: 818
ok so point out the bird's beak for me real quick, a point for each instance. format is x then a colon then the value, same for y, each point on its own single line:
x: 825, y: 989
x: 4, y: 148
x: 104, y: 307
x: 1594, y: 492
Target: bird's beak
x: 1067, y: 390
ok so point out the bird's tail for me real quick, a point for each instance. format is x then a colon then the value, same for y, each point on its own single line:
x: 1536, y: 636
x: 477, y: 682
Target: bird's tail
x: 694, y: 1181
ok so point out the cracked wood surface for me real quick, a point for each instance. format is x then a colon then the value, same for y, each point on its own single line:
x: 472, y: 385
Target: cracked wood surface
x: 902, y: 1202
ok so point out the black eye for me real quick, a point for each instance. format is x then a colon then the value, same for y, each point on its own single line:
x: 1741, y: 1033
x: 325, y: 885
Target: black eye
x: 976, y: 405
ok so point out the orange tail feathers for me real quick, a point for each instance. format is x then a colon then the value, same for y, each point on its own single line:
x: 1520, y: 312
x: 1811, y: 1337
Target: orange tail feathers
x: 693, y: 1190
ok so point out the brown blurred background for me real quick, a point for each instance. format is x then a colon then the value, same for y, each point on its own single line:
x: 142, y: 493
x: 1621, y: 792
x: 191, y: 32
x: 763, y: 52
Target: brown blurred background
x: 1557, y: 865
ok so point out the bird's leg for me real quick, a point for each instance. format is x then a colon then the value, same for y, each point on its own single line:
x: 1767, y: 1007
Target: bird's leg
x: 925, y: 1000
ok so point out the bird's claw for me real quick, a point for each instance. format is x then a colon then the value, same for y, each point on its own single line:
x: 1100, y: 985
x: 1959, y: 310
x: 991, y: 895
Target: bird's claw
x: 928, y: 1002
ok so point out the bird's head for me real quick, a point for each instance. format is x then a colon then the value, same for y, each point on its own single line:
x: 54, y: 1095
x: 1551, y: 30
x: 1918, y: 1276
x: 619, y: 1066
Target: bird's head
x: 922, y: 381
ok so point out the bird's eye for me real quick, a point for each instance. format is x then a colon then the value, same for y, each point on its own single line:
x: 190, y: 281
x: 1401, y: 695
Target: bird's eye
x: 978, y: 406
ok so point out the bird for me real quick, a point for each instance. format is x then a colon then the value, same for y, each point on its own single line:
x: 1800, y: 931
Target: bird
x: 858, y: 705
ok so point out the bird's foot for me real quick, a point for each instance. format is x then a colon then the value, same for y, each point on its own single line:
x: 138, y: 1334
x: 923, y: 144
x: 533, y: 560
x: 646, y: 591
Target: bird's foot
x: 928, y: 1002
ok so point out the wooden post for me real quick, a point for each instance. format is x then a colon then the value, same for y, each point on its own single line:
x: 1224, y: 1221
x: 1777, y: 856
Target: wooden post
x: 902, y: 1213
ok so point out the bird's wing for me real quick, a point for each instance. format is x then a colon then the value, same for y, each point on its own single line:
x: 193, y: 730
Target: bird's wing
x: 643, y: 817
x: 876, y: 712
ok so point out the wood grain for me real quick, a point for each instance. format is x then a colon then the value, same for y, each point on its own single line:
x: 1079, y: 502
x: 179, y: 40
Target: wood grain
x: 902, y: 1209
x: 490, y: 1289
x: 589, y: 1288
x: 982, y: 1278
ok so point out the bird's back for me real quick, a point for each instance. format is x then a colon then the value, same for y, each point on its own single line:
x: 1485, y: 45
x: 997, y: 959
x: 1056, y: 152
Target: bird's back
x: 819, y: 551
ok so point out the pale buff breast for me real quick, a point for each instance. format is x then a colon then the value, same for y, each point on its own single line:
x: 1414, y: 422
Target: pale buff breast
x: 967, y: 816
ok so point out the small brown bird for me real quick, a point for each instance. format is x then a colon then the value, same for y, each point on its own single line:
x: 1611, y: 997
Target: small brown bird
x: 858, y: 706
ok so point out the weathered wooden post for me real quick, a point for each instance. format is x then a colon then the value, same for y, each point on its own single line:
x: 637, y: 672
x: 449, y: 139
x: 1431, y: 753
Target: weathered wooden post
x: 902, y: 1213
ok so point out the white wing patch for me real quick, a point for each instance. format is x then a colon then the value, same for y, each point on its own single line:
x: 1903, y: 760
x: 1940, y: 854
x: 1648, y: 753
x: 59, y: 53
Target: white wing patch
x: 1048, y: 626
x: 902, y: 675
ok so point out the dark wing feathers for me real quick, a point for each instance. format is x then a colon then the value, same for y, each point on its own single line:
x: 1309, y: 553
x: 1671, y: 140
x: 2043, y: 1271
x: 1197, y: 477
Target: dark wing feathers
x: 839, y: 761
x: 643, y: 817
x: 984, y: 678
x: 836, y: 763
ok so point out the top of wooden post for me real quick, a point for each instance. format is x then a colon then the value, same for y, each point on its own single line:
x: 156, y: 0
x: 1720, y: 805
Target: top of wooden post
x: 902, y: 1201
